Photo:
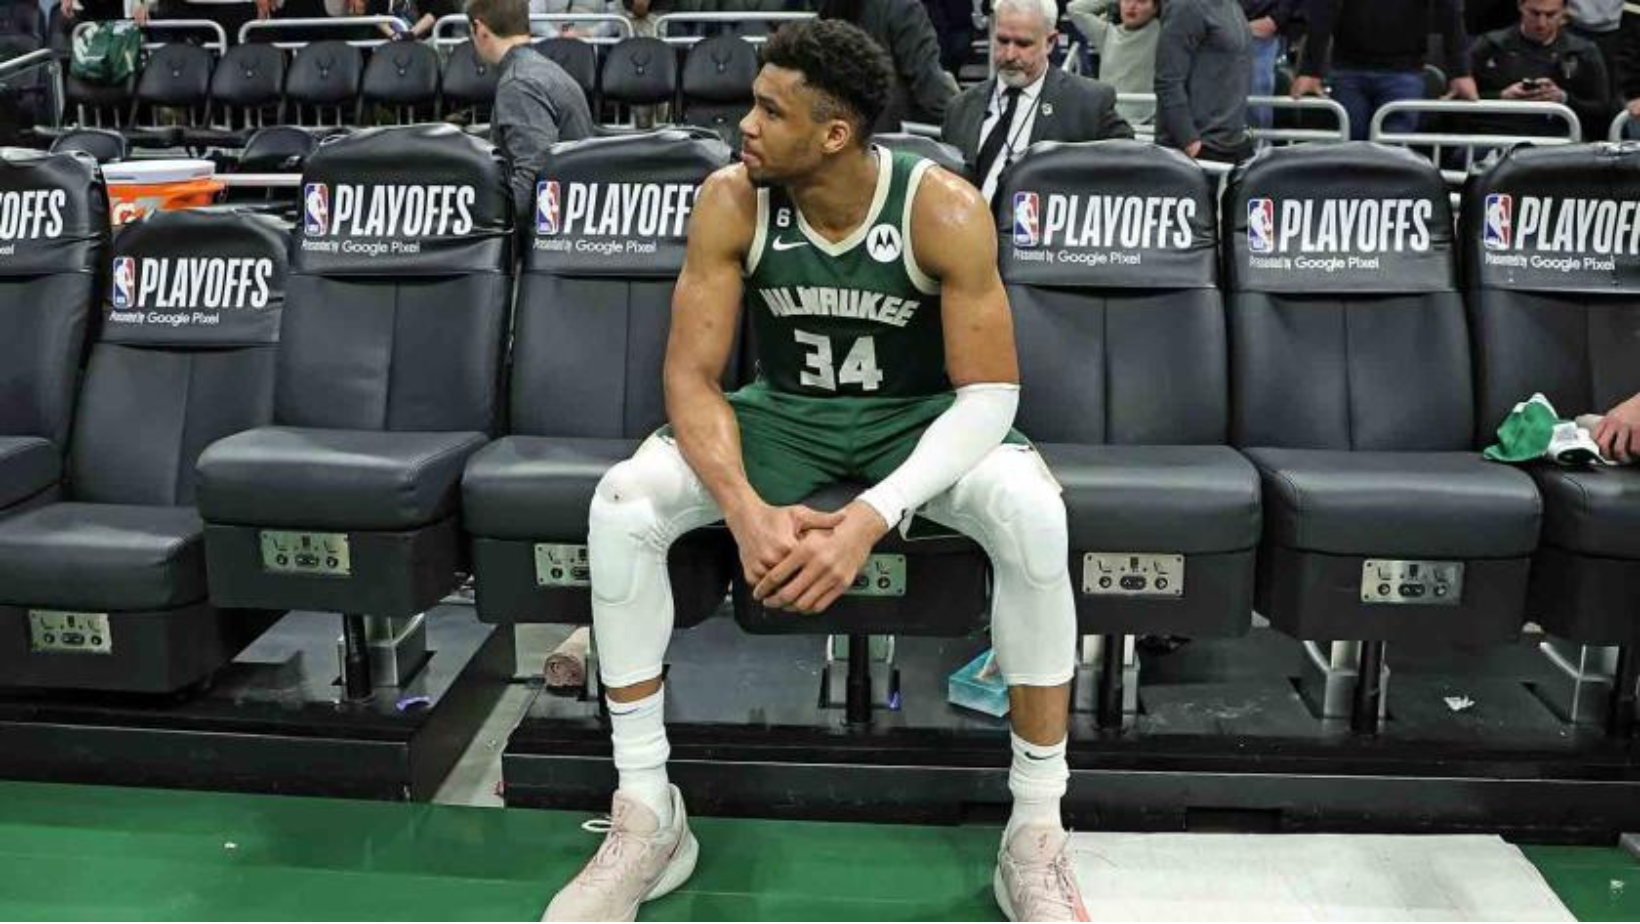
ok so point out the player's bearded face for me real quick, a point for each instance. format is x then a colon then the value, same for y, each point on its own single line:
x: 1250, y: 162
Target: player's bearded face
x: 780, y: 137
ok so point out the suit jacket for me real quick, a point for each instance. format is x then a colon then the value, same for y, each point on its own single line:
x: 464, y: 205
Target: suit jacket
x: 1071, y: 108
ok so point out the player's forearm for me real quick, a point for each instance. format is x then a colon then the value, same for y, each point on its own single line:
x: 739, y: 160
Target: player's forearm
x: 975, y: 423
x: 709, y: 438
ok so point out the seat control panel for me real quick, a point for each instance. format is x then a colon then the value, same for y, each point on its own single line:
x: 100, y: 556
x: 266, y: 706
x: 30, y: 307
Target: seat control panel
x: 323, y: 554
x: 561, y: 565
x: 1427, y: 583
x: 75, y: 633
x: 881, y: 576
x: 1132, y: 574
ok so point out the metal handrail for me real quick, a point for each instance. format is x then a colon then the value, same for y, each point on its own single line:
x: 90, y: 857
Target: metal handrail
x: 1619, y: 123
x: 1289, y: 135
x: 259, y: 180
x: 177, y: 25
x: 337, y: 23
x: 445, y: 25
x: 1439, y: 141
x: 662, y: 22
x: 46, y: 58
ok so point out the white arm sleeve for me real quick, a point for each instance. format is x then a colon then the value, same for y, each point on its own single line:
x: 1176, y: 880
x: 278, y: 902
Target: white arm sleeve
x: 953, y: 444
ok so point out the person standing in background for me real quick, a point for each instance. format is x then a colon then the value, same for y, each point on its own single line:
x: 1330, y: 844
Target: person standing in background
x: 921, y: 88
x: 1028, y: 100
x: 1203, y: 65
x: 1378, y: 50
x: 1126, y: 49
x: 1267, y: 20
x: 537, y: 104
x: 1598, y: 21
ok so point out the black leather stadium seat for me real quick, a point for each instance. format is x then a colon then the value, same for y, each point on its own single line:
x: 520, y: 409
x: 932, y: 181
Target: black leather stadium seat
x: 185, y: 355
x: 1108, y: 250
x: 54, y: 228
x: 1351, y: 393
x: 322, y: 84
x: 1557, y: 313
x: 401, y: 81
x: 389, y: 363
x: 594, y: 307
x: 717, y: 85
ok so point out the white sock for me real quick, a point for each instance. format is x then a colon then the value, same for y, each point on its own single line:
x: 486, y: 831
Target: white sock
x: 639, y: 735
x: 1037, y: 778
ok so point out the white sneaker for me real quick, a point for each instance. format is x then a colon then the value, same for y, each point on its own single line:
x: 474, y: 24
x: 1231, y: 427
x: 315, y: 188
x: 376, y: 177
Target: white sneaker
x: 637, y: 862
x: 1034, y: 879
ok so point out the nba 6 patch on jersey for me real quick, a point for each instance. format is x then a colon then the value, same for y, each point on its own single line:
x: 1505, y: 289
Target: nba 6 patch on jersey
x: 316, y: 209
x: 1027, y: 219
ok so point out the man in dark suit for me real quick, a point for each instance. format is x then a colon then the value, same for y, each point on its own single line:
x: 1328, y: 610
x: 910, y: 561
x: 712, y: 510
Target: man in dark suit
x: 1028, y: 100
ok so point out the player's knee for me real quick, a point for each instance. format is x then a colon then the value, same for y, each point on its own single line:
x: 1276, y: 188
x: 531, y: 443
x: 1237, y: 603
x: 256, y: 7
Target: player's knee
x: 625, y: 503
x: 1028, y: 522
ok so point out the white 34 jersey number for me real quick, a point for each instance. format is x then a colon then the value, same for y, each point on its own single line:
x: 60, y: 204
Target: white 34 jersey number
x: 859, y: 366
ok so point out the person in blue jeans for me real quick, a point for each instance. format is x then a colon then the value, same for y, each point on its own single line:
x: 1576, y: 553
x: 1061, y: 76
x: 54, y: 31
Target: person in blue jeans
x: 1267, y: 21
x: 1377, y: 50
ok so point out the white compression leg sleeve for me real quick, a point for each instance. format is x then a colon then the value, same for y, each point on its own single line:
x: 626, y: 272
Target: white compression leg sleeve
x: 640, y: 508
x: 1010, y: 505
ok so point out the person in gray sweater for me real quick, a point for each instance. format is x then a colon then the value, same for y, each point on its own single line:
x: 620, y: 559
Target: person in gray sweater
x: 1126, y: 50
x: 537, y: 103
x: 1203, y: 64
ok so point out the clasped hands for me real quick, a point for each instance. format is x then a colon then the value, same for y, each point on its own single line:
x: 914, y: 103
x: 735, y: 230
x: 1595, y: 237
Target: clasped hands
x: 800, y: 559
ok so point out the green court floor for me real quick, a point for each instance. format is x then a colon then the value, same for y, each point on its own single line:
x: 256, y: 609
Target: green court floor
x: 81, y: 852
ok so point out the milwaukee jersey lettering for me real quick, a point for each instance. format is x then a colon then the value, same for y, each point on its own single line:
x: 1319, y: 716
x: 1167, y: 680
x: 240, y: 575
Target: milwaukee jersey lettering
x: 857, y: 317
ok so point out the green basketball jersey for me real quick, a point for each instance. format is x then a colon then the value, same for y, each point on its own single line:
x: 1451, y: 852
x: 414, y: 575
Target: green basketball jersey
x: 857, y: 318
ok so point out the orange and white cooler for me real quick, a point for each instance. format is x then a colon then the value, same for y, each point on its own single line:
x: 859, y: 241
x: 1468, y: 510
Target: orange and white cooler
x: 137, y: 187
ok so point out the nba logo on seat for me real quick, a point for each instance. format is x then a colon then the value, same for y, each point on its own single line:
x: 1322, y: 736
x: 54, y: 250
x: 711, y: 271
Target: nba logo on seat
x: 125, y: 282
x: 1027, y: 219
x: 546, y: 207
x: 316, y: 209
x: 1261, y: 225
x: 1500, y: 221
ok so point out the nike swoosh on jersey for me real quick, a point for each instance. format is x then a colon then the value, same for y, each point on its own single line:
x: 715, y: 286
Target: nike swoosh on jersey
x: 789, y: 245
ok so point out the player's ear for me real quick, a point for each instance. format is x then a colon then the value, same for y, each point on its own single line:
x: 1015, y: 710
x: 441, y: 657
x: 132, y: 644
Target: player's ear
x: 839, y: 135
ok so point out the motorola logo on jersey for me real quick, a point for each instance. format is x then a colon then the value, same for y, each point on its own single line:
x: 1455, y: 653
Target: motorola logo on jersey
x: 387, y: 210
x: 1339, y: 226
x: 32, y: 213
x: 647, y: 210
x: 202, y: 283
x: 124, y: 294
x: 1103, y: 222
x: 883, y: 243
x: 546, y: 207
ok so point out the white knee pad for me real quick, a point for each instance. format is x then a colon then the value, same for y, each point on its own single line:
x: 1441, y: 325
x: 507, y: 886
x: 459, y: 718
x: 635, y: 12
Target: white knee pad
x: 1018, y: 501
x: 640, y: 508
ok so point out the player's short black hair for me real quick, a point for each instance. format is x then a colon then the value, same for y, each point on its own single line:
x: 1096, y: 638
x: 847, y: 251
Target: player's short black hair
x: 847, y: 66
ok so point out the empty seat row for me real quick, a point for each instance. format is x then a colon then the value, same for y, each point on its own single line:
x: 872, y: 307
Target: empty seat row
x: 185, y: 95
x: 1282, y: 415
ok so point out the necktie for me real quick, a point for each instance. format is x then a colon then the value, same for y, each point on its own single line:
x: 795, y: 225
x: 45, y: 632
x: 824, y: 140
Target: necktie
x: 994, y: 142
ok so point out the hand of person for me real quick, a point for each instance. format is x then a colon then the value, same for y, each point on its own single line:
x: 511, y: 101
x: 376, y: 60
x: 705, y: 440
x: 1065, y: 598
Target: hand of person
x: 356, y: 7
x: 1462, y: 88
x: 1262, y: 27
x: 766, y: 535
x: 1194, y: 149
x: 1634, y: 108
x: 68, y: 9
x: 264, y: 9
x: 1516, y: 90
x: 824, y: 563
x: 1306, y: 86
x: 140, y: 14
x: 1618, y: 434
x: 1546, y: 91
